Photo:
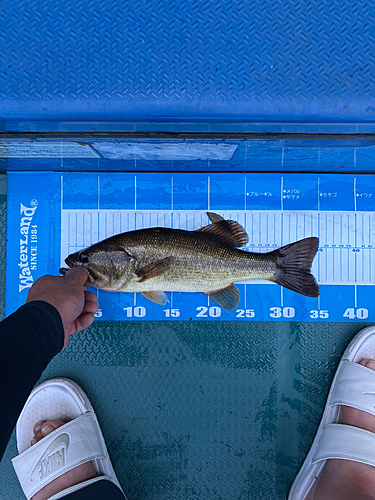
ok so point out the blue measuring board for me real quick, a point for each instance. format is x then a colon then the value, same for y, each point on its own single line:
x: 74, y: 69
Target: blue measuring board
x: 51, y: 215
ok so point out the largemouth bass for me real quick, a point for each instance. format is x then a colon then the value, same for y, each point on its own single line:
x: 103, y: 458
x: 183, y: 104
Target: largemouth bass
x: 155, y: 260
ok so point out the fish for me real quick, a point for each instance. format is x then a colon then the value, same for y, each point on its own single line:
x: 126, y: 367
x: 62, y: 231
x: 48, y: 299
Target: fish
x: 156, y: 260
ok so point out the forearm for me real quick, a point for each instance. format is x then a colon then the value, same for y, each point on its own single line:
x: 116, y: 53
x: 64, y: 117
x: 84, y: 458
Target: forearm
x: 29, y: 339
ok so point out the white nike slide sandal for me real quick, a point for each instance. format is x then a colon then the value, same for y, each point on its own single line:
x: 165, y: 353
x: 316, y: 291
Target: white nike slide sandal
x: 79, y: 441
x: 353, y: 385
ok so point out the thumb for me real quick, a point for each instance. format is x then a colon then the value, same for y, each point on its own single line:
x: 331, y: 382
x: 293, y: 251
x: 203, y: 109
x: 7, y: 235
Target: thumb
x: 77, y: 275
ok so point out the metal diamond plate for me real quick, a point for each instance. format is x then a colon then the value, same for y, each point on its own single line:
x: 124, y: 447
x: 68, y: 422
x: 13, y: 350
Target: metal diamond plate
x: 191, y: 411
x: 210, y: 60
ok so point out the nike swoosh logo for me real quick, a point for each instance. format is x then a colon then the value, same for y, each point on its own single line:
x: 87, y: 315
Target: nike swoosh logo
x: 62, y: 440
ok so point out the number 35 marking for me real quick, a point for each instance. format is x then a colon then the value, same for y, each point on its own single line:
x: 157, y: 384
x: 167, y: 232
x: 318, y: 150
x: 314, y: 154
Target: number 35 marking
x: 319, y: 314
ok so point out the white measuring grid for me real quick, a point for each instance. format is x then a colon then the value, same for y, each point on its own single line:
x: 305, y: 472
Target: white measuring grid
x: 346, y: 254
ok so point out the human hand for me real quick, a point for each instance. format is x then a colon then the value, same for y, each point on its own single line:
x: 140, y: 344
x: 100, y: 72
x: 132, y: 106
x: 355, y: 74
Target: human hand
x: 69, y: 296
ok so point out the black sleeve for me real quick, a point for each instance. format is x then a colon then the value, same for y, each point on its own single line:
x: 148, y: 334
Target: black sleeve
x: 29, y: 339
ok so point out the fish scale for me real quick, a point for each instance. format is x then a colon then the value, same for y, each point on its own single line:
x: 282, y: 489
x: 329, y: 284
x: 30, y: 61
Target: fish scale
x: 154, y: 260
x: 198, y: 260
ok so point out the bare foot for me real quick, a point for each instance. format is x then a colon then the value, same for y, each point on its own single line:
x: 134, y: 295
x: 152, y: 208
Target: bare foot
x: 346, y: 479
x: 75, y: 476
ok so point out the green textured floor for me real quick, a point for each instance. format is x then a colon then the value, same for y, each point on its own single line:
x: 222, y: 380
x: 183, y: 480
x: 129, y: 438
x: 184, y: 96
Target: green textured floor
x: 199, y: 410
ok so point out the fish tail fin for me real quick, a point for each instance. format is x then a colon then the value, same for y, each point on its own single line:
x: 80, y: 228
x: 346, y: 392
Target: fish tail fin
x: 293, y: 265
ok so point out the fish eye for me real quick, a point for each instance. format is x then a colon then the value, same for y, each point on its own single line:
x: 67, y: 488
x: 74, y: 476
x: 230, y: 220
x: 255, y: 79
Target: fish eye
x: 83, y: 258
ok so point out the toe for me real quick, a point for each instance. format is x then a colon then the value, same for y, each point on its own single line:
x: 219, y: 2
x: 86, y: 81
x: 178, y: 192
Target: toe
x: 50, y: 425
x: 368, y: 363
x: 38, y: 426
x: 37, y: 433
x: 42, y: 429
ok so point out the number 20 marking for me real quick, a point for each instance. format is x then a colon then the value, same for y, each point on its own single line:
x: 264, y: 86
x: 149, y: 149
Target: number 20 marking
x: 213, y: 312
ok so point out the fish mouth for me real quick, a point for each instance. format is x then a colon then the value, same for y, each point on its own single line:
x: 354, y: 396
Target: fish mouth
x: 71, y: 261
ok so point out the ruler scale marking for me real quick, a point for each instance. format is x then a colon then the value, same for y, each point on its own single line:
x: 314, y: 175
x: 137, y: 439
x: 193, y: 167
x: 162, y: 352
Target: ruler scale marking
x: 346, y: 256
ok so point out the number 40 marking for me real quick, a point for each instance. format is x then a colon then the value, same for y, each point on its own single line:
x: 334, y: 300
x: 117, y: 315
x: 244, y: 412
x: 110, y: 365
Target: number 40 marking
x: 352, y: 313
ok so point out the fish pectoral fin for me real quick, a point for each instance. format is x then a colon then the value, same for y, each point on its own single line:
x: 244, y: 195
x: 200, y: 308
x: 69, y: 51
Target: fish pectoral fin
x: 157, y: 297
x: 229, y: 230
x: 228, y: 298
x: 154, y: 269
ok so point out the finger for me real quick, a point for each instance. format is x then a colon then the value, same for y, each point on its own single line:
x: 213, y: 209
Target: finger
x: 90, y: 297
x: 77, y: 274
x: 90, y: 306
x: 83, y: 321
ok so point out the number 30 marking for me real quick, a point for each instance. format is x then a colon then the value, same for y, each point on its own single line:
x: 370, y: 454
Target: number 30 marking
x: 285, y: 312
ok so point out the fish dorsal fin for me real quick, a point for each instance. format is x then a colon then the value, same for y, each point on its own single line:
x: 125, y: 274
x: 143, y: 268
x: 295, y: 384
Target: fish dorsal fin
x: 157, y: 297
x: 228, y: 298
x: 154, y: 269
x: 228, y: 230
x: 214, y: 217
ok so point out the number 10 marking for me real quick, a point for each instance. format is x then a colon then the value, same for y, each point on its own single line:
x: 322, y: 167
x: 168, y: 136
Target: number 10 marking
x: 138, y: 311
